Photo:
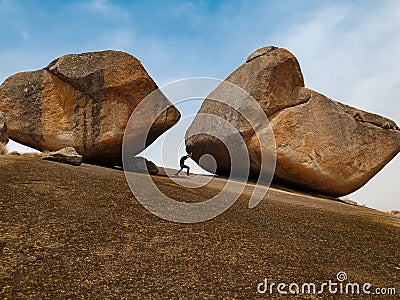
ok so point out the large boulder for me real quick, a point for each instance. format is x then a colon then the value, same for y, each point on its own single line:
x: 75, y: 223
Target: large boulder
x: 321, y: 145
x: 83, y: 101
x: 270, y: 75
x: 3, y: 130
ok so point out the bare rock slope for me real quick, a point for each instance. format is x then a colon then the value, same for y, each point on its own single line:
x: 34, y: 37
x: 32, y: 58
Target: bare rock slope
x: 72, y: 232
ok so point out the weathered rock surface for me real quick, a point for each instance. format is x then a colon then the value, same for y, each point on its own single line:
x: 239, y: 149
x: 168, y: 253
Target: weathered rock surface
x: 141, y: 165
x: 272, y: 76
x: 321, y: 145
x: 3, y: 130
x: 83, y: 101
x: 66, y: 155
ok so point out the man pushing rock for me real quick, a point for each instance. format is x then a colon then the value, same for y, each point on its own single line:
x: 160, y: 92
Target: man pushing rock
x: 182, y: 164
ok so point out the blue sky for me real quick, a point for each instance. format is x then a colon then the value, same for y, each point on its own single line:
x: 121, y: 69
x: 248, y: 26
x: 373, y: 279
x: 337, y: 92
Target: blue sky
x: 348, y: 50
x: 174, y: 39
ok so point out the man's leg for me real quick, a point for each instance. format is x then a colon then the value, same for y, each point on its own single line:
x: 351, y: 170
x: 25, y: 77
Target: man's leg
x: 187, y: 170
x: 176, y: 174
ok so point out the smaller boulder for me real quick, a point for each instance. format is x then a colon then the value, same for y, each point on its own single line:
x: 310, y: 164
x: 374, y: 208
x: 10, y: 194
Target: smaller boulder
x: 396, y: 213
x: 350, y: 202
x: 66, y: 155
x: 141, y: 165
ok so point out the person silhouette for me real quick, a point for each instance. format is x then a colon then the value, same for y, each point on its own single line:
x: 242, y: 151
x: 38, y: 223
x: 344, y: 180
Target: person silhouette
x: 182, y: 164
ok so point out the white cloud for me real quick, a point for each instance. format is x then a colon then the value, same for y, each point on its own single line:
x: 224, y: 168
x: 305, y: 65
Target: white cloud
x: 352, y: 55
x: 104, y: 8
x: 119, y: 39
x: 25, y: 35
x: 100, y: 5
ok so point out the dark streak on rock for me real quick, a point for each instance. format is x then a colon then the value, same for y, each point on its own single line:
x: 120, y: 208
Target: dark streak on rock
x: 96, y: 119
x: 260, y: 52
x: 85, y: 146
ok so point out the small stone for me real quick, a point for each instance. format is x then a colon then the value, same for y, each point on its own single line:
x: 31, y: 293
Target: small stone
x: 66, y: 155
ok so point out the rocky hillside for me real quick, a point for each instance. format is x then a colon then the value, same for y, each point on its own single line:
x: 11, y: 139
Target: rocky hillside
x: 72, y: 232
